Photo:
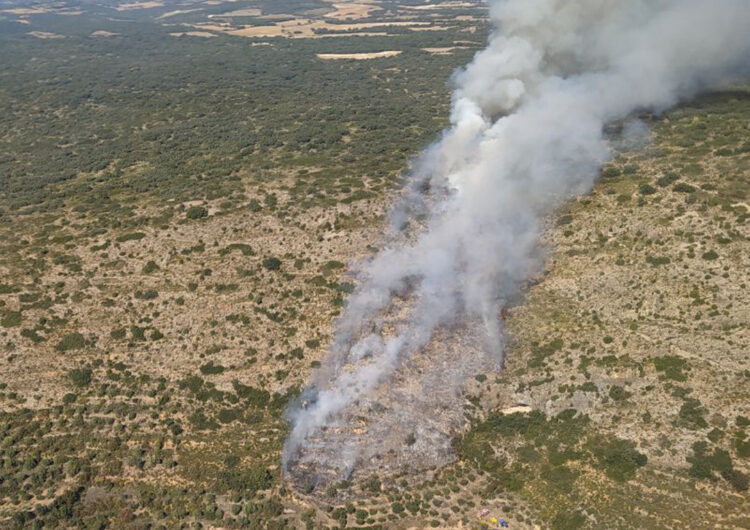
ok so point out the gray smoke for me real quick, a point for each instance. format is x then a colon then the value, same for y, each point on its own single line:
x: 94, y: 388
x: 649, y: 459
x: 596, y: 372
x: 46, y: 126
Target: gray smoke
x: 527, y: 134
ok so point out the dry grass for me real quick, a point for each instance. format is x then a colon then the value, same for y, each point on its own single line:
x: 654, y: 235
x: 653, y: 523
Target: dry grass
x: 202, y: 34
x: 251, y: 12
x: 176, y: 12
x: 352, y: 11
x: 358, y: 56
x: 307, y: 28
x: 441, y: 51
x: 26, y: 11
x: 46, y: 35
x: 139, y: 5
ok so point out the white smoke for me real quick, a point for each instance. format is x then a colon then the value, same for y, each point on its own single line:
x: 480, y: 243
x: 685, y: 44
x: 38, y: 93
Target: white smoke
x: 526, y: 134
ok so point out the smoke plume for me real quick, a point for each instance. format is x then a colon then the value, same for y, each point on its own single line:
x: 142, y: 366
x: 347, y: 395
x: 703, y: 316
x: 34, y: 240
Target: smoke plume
x: 526, y: 134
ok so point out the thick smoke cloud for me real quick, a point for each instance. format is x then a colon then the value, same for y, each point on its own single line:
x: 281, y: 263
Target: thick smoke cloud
x: 526, y: 134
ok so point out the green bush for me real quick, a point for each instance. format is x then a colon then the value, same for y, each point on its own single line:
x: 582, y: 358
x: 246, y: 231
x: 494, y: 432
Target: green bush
x: 618, y: 393
x: 71, y: 341
x: 246, y: 250
x: 739, y: 481
x: 656, y: 261
x: 80, y: 377
x: 666, y: 180
x: 211, y: 369
x: 196, y: 212
x: 150, y: 267
x: 681, y: 187
x: 710, y: 255
x: 228, y: 415
x: 272, y: 264
x: 704, y: 465
x: 691, y: 414
x: 619, y: 459
x: 672, y: 366
x: 133, y: 236
x: 11, y: 319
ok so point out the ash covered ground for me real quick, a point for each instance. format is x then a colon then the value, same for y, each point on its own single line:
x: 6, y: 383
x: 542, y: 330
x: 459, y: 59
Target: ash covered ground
x: 406, y: 427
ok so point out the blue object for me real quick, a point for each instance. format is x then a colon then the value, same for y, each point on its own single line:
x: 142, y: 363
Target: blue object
x: 503, y: 523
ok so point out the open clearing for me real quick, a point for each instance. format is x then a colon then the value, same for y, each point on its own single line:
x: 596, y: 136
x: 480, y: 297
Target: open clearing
x: 358, y: 56
x: 46, y: 35
x: 139, y: 5
x: 177, y: 12
x: 202, y: 34
x: 441, y: 51
x: 352, y: 11
x: 251, y: 12
x: 308, y: 28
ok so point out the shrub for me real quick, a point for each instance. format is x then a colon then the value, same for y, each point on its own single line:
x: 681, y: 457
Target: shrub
x: 11, y: 319
x: 246, y: 250
x: 200, y: 421
x: 71, y: 341
x: 32, y: 335
x: 567, y: 520
x: 248, y: 481
x: 196, y: 212
x: 150, y: 267
x: 682, y: 187
x: 618, y: 393
x: 228, y: 415
x: 691, y: 414
x: 272, y: 264
x: 703, y: 465
x: 739, y: 481
x: 330, y: 266
x: 211, y: 369
x: 565, y: 220
x: 81, y: 377
x: 656, y: 261
x: 666, y: 180
x: 138, y: 333
x: 618, y: 458
x: 672, y: 366
x: 133, y: 236
x: 647, y: 189
x: 710, y: 255
x: 256, y: 397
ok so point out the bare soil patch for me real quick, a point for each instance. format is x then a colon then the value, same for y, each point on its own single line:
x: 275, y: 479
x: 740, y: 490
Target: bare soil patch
x: 358, y: 56
x: 46, y: 35
x: 139, y: 5
x: 202, y: 34
x: 352, y: 11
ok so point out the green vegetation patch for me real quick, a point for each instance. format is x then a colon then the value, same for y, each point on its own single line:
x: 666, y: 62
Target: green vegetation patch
x: 71, y: 341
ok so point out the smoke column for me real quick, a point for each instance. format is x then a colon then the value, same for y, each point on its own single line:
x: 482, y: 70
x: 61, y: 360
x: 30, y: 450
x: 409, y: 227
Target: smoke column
x: 526, y: 134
